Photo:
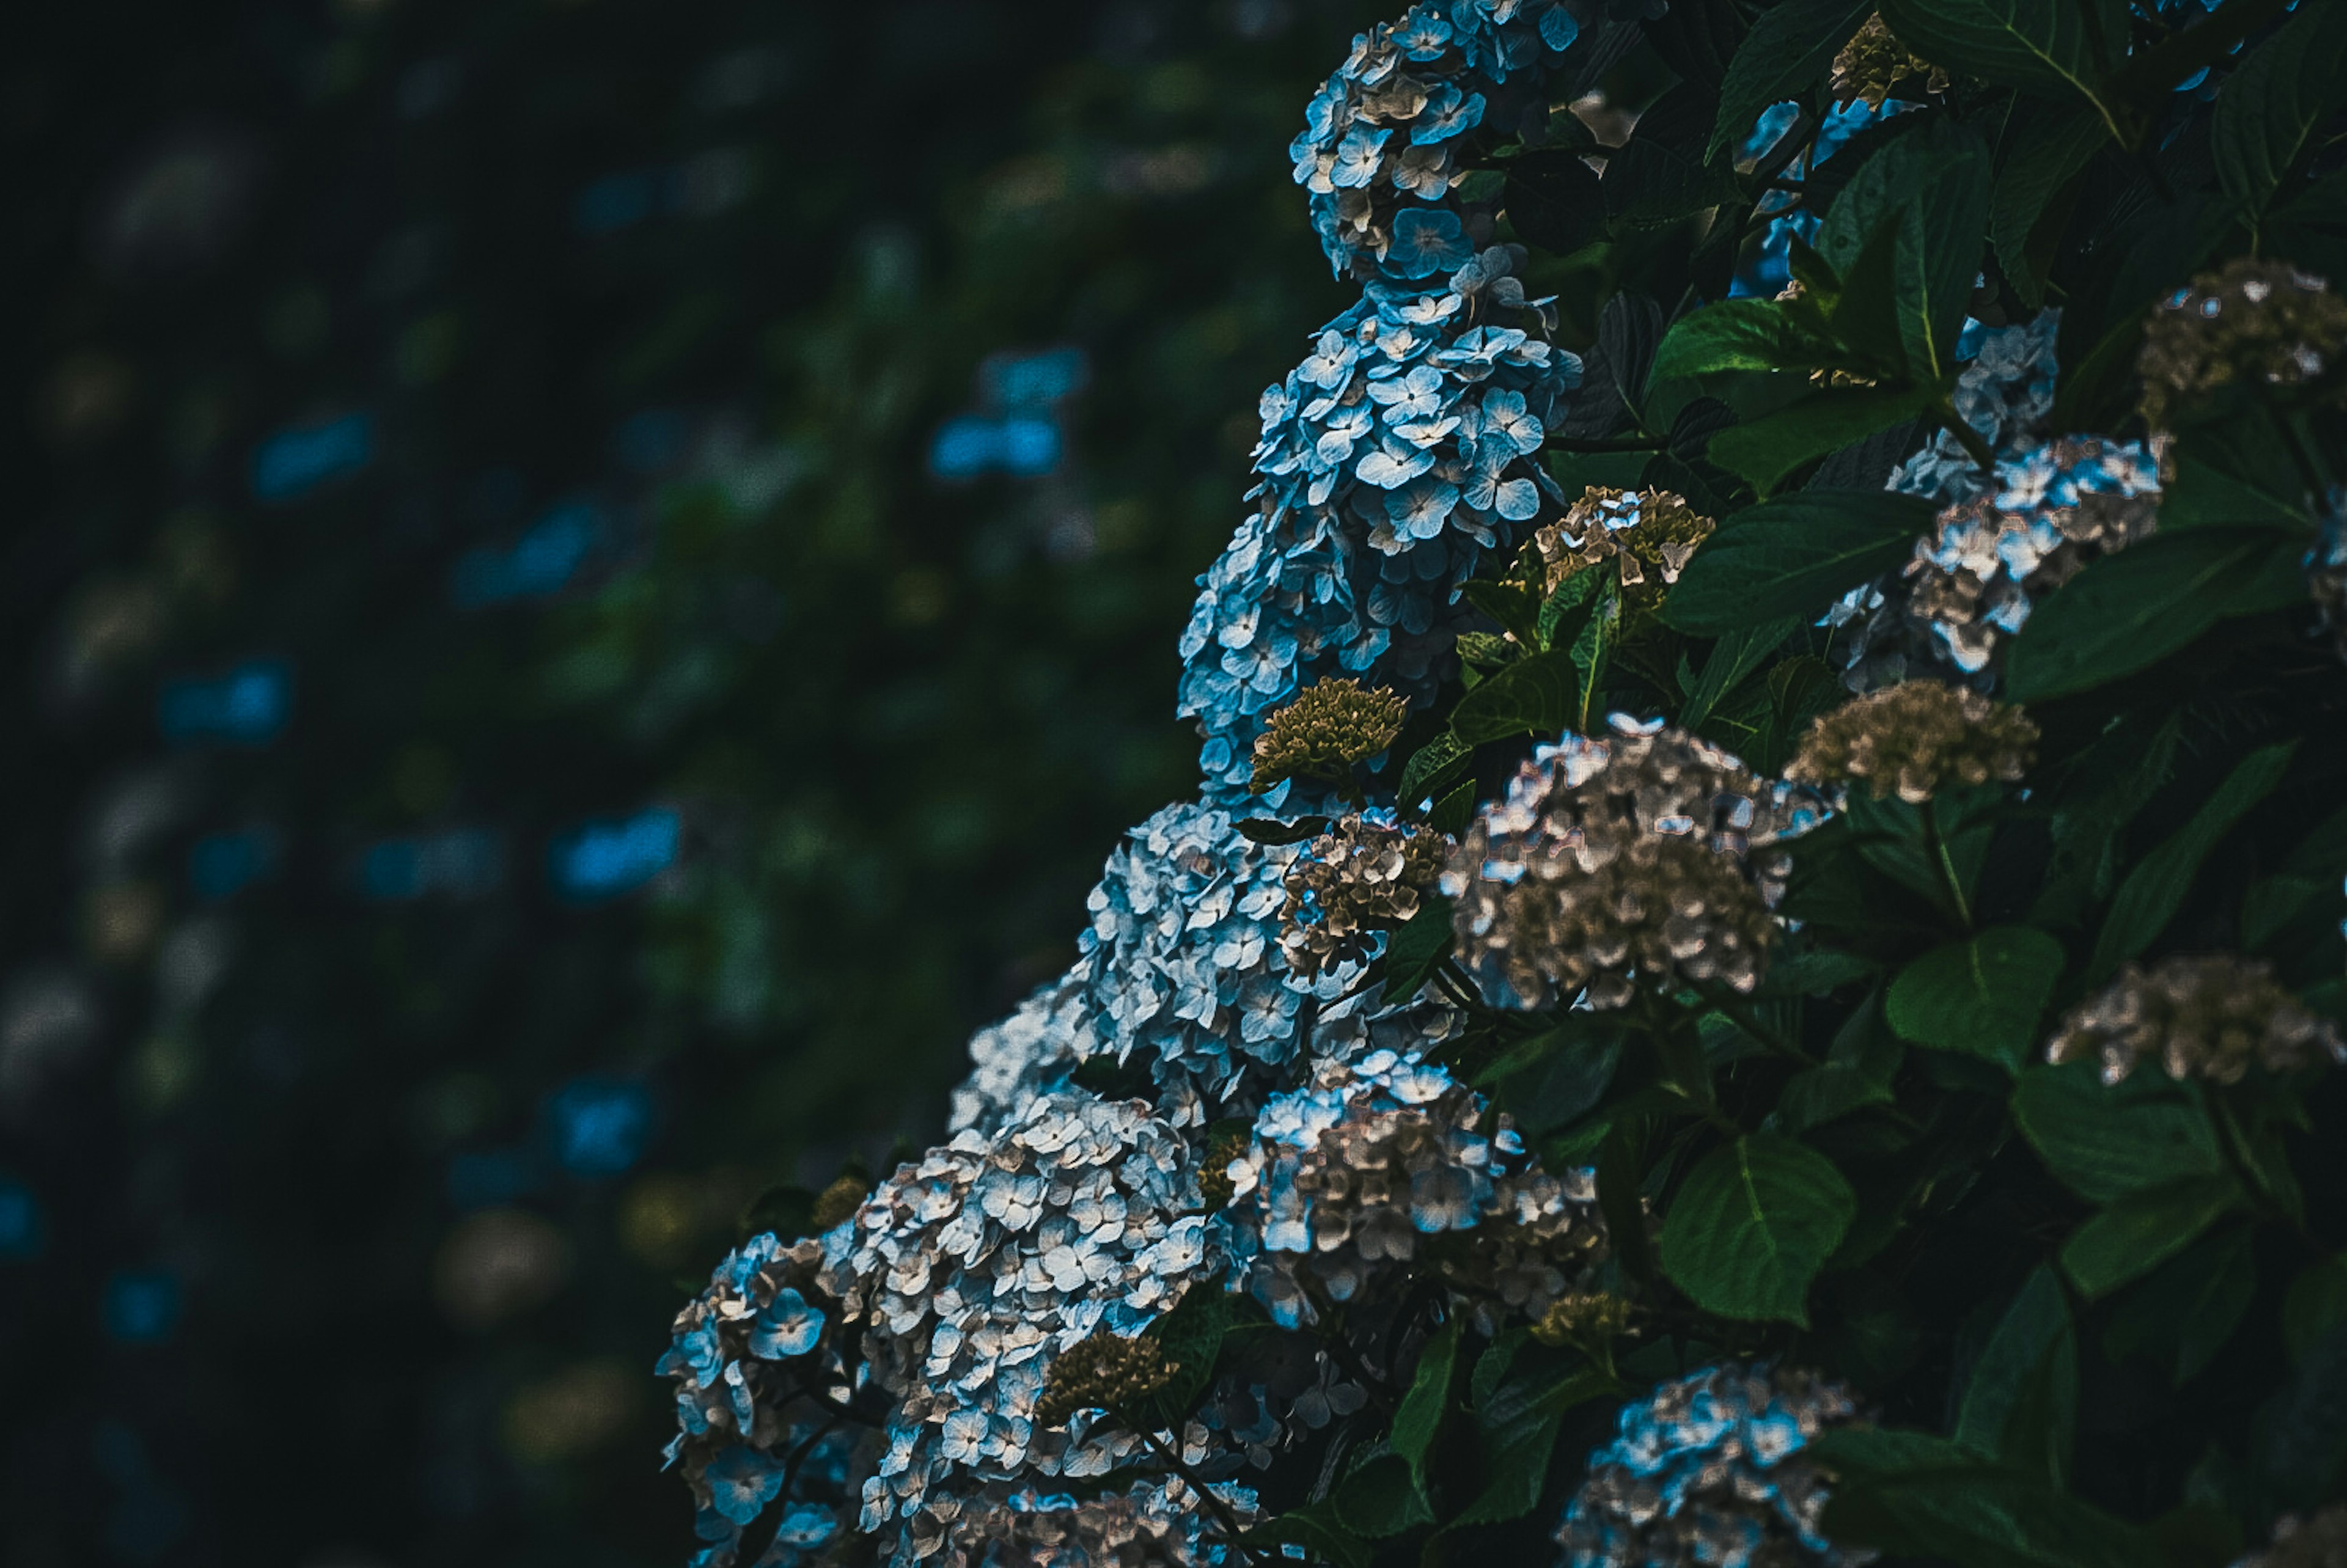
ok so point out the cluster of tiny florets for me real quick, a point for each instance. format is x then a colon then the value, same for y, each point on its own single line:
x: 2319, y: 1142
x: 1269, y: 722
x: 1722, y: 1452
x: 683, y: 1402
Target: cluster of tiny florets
x: 2212, y: 1017
x: 1183, y: 961
x: 1711, y: 1469
x: 757, y: 1340
x: 1369, y: 1164
x: 970, y: 1269
x: 1020, y: 1059
x: 1160, y: 1524
x: 1646, y: 859
x: 1874, y: 62
x: 1648, y: 535
x: 1394, y: 460
x: 1915, y: 738
x: 1384, y: 140
x: 1361, y: 879
x: 1332, y: 724
x: 1108, y: 1371
x: 1976, y: 577
x: 2264, y: 324
x: 2303, y: 1541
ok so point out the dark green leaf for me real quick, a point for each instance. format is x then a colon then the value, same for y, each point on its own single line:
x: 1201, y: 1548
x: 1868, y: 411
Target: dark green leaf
x: 1929, y: 193
x: 1792, y: 557
x: 1381, y: 1498
x: 1620, y: 1169
x: 1740, y: 335
x: 1752, y: 1226
x: 1192, y: 1337
x: 2054, y: 47
x: 1272, y: 831
x: 1454, y: 811
x: 1662, y: 176
x: 1417, y: 948
x: 1492, y: 1364
x: 2182, y: 1314
x: 2022, y: 1403
x: 1554, y: 199
x: 1734, y: 656
x: 1981, y: 996
x: 1514, y: 605
x: 2108, y: 1141
x: 1442, y: 761
x: 2130, y: 610
x: 1564, y: 612
x: 1576, y: 1080
x: 1419, y: 1415
x: 2270, y: 108
x: 2202, y: 496
x: 2302, y: 1433
x: 2138, y: 1234
x: 1943, y: 1505
x: 1535, y: 696
x: 2315, y: 1305
x: 1771, y: 447
x: 2153, y: 890
x: 1516, y: 1463
x: 2046, y: 146
x: 1314, y: 1527
x: 1789, y: 49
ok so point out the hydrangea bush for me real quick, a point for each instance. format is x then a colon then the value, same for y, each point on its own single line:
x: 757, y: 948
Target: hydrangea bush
x: 1756, y: 975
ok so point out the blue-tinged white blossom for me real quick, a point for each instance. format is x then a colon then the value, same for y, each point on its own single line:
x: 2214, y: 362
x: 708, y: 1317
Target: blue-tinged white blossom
x: 2004, y: 393
x: 2326, y: 569
x: 969, y: 1269
x: 1352, y: 1174
x: 1399, y: 457
x: 1770, y: 267
x: 1017, y: 1060
x: 1712, y: 1469
x: 1159, y: 1524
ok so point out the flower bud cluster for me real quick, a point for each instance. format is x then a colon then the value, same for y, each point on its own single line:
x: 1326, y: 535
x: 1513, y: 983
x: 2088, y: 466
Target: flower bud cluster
x: 1649, y: 535
x: 1332, y: 724
x: 1106, y: 1372
x: 2261, y: 323
x: 1711, y: 1469
x: 1976, y: 577
x: 1874, y: 62
x: 1649, y: 858
x: 970, y: 1269
x: 1154, y: 1526
x: 1362, y: 878
x: 1914, y: 738
x: 1368, y: 1165
x: 2211, y: 1016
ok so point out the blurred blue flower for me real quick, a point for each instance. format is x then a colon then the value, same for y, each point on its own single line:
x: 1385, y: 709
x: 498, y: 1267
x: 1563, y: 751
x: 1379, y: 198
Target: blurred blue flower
x: 300, y: 458
x: 22, y: 1231
x: 540, y: 563
x: 460, y: 863
x: 140, y: 1306
x: 247, y: 706
x: 221, y: 865
x: 605, y: 859
x: 599, y: 1127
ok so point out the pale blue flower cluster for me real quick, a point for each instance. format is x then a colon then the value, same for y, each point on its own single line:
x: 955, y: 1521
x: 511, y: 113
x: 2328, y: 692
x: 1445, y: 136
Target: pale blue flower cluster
x: 1710, y: 1469
x: 816, y: 1463
x: 1770, y: 267
x: 1018, y: 1061
x: 1183, y: 961
x: 1381, y: 145
x: 1398, y: 457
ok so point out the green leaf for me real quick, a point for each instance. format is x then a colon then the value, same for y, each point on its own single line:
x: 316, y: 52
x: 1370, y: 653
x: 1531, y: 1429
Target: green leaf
x: 1791, y: 558
x: 1734, y: 656
x: 1753, y: 1225
x: 1381, y: 1497
x: 2022, y: 1403
x: 1767, y: 449
x: 1620, y: 1166
x: 1270, y: 830
x: 1516, y: 1463
x: 2155, y: 889
x: 1982, y: 996
x: 1442, y: 761
x: 2202, y: 496
x: 1535, y: 696
x: 1661, y: 175
x: 2049, y: 144
x: 1929, y: 192
x: 1419, y: 1415
x: 1514, y: 605
x: 2271, y: 106
x: 1789, y: 49
x: 2108, y: 1142
x: 1739, y: 335
x: 2315, y: 1305
x: 1817, y: 1095
x: 1925, y: 1498
x: 1418, y: 948
x: 1316, y: 1528
x: 2182, y: 1314
x: 2053, y: 48
x: 1454, y: 811
x: 2301, y: 1432
x: 2131, y: 609
x: 2138, y: 1234
x: 1564, y: 612
x: 1574, y: 1082
x: 1192, y: 1337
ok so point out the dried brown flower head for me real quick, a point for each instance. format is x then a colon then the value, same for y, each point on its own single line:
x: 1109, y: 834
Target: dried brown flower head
x: 1330, y: 726
x: 2260, y: 321
x: 1357, y: 879
x: 1914, y: 738
x: 1162, y: 1523
x: 1648, y: 534
x: 1874, y: 62
x: 1647, y: 858
x: 1106, y: 1371
x: 2197, y: 1017
x: 2320, y: 1541
x: 1582, y: 1317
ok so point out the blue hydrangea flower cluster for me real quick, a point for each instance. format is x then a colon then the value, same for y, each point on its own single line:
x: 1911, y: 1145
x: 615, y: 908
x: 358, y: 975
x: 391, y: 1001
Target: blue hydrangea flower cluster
x: 1399, y: 456
x: 1379, y: 151
x: 744, y: 1355
x: 1711, y: 1469
x: 1350, y: 1172
x: 809, y: 1470
x: 1152, y: 1525
x: 1018, y: 1061
x: 1182, y: 962
x: 969, y: 1269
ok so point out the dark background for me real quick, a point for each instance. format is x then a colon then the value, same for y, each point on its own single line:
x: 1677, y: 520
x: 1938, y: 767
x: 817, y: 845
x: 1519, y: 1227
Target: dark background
x: 512, y: 748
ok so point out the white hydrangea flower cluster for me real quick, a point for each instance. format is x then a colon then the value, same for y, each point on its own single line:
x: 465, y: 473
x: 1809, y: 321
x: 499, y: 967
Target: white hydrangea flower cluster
x: 1366, y: 1165
x: 1018, y: 1059
x: 968, y: 1270
x: 1159, y: 1525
